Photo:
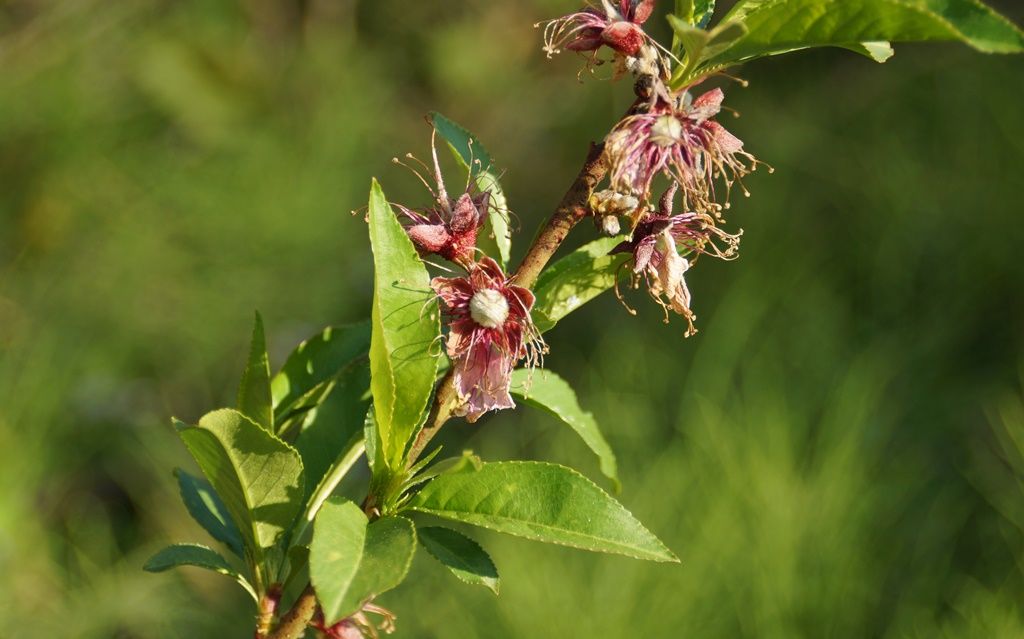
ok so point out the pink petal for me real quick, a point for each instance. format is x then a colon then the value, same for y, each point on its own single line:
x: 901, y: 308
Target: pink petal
x: 483, y: 377
x: 708, y: 105
x: 642, y: 256
x: 585, y: 44
x: 726, y: 141
x: 429, y: 237
x: 624, y: 37
x: 643, y: 11
x: 454, y: 291
x: 465, y: 216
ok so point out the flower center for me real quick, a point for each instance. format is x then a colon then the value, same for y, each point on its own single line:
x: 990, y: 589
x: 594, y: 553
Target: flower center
x: 488, y: 308
x: 667, y: 130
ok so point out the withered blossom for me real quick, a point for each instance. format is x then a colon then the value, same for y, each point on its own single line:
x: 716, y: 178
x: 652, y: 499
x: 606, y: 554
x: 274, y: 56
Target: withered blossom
x: 450, y: 227
x: 617, y: 27
x: 679, y: 139
x: 490, y: 330
x: 655, y: 247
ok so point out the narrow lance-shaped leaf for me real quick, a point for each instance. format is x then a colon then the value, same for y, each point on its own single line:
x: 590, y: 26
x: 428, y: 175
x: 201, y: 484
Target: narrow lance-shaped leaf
x: 315, y: 362
x: 208, y: 510
x: 786, y: 25
x: 199, y: 556
x: 576, y: 279
x: 406, y: 323
x: 352, y: 560
x: 329, y: 428
x: 254, y: 392
x: 461, y: 555
x: 540, y: 501
x: 549, y: 392
x: 470, y: 152
x: 257, y: 476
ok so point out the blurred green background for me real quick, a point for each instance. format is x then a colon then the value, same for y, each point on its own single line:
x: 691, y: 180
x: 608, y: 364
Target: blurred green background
x: 838, y: 453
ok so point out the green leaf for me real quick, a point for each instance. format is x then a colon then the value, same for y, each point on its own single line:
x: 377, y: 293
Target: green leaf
x: 199, y: 556
x: 258, y: 477
x: 464, y: 557
x: 549, y: 392
x: 695, y: 12
x: 329, y: 428
x: 254, y: 392
x: 344, y: 463
x: 472, y: 155
x: 352, y: 561
x: 315, y: 363
x: 540, y: 501
x: 777, y: 26
x: 701, y: 45
x: 880, y: 52
x: 576, y: 279
x: 406, y: 324
x: 208, y: 510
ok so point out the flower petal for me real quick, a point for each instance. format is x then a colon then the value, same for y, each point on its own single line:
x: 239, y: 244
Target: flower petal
x: 643, y: 11
x: 624, y: 37
x: 429, y: 237
x: 483, y: 377
x: 727, y: 142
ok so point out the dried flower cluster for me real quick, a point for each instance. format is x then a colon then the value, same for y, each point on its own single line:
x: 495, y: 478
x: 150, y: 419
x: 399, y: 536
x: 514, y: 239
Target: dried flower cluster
x: 668, y: 135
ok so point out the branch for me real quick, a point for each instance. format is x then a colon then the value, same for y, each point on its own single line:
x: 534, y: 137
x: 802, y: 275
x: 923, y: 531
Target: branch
x: 293, y: 625
x: 570, y: 211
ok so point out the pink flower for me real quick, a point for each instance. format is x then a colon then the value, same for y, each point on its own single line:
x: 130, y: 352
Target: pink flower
x: 450, y: 227
x: 681, y: 141
x: 591, y: 28
x: 655, y: 246
x: 490, y: 330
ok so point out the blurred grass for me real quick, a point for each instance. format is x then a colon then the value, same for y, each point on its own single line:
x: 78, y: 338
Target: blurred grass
x: 836, y: 454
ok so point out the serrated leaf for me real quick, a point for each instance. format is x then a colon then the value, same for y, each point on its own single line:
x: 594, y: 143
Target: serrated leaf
x: 465, y: 558
x: 776, y: 26
x: 208, y: 510
x: 540, y: 501
x: 472, y: 155
x: 574, y: 280
x: 257, y: 476
x: 200, y: 557
x: 549, y: 392
x: 352, y: 560
x: 405, y: 326
x: 254, y: 392
x: 329, y: 428
x: 315, y: 362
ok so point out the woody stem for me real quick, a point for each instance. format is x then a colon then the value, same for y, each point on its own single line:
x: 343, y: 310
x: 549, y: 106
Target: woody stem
x: 570, y: 211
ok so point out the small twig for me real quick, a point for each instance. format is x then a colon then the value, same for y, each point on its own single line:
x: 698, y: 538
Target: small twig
x: 293, y: 625
x: 570, y: 211
x: 268, y: 608
x: 440, y: 412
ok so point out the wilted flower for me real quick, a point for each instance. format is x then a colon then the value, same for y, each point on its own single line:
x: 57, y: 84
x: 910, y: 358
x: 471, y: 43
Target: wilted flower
x: 655, y: 246
x: 449, y: 228
x: 679, y: 139
x: 490, y: 329
x: 359, y: 625
x: 591, y: 28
